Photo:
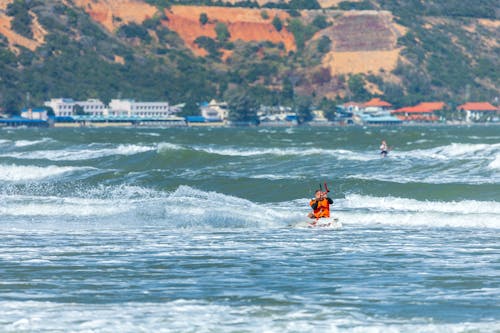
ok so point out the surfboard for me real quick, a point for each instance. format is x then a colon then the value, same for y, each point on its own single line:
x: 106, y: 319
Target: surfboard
x: 323, y: 223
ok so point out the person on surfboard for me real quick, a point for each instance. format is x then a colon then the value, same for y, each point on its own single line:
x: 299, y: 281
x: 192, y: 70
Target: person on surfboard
x: 384, y: 149
x: 320, y: 205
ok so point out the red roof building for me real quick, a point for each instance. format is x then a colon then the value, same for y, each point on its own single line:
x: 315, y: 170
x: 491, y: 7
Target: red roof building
x: 376, y: 105
x: 477, y: 106
x: 479, y: 111
x: 423, y: 112
x: 377, y: 102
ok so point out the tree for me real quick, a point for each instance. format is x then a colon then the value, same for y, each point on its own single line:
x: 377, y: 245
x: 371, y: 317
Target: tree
x: 242, y: 107
x: 324, y: 44
x: 303, y: 108
x: 78, y: 110
x: 287, y: 90
x: 50, y: 111
x: 356, y: 85
x: 304, y: 4
x: 320, y: 22
x: 222, y: 32
x: 203, y: 18
x: 190, y: 108
x: 278, y: 25
x: 329, y: 108
x: 322, y: 76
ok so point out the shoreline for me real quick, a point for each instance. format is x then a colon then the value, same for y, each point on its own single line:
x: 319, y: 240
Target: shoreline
x: 150, y: 124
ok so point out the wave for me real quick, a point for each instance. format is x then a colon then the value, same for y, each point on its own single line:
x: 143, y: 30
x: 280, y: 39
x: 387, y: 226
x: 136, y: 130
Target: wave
x: 495, y: 164
x: 449, y: 152
x: 446, y: 177
x: 410, y: 212
x: 452, y: 151
x: 43, y: 316
x: 187, y: 207
x: 356, y: 201
x: 20, y: 173
x: 25, y: 143
x: 80, y: 154
x: 306, y: 151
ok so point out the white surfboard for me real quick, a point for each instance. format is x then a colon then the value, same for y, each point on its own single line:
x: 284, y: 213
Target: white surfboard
x: 323, y: 223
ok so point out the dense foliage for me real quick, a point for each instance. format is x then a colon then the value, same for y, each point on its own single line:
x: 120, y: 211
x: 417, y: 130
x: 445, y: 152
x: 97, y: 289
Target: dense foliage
x: 79, y: 59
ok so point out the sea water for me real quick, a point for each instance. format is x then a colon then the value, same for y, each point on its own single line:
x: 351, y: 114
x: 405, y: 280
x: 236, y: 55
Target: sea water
x: 186, y: 230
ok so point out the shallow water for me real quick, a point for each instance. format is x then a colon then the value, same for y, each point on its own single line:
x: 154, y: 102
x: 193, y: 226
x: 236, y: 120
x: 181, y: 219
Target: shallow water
x: 186, y: 230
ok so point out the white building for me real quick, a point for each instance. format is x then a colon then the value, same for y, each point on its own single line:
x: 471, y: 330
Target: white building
x: 479, y: 111
x: 215, y: 111
x: 66, y: 107
x: 131, y: 108
x: 35, y: 114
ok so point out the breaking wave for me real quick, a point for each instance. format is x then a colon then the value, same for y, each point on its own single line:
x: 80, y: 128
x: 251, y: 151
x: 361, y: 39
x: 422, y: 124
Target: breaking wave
x: 187, y: 207
x: 80, y: 154
x: 21, y: 173
x: 401, y: 211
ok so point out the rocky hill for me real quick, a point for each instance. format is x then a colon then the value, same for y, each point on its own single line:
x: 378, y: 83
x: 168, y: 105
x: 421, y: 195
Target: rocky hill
x: 277, y: 51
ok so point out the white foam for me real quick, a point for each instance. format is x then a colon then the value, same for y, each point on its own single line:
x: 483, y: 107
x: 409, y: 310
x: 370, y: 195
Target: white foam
x: 452, y: 151
x: 18, y: 173
x: 187, y: 207
x: 102, y: 201
x: 246, y: 152
x: 166, y: 146
x: 178, y: 316
x: 218, y: 210
x: 495, y: 164
x: 80, y: 154
x: 446, y: 177
x: 25, y: 143
x: 401, y: 211
x: 411, y: 205
x: 65, y: 207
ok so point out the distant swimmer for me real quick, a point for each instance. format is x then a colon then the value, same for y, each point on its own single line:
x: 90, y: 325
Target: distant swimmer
x: 384, y: 149
x: 320, y: 205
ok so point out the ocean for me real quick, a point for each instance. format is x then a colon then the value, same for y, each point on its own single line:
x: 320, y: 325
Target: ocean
x: 188, y: 230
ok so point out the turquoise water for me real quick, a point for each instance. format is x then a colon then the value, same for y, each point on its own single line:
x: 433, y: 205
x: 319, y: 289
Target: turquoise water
x: 186, y: 230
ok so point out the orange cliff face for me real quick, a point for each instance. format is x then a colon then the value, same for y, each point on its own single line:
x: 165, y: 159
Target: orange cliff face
x: 16, y: 39
x: 363, y: 42
x: 113, y: 13
x: 243, y: 24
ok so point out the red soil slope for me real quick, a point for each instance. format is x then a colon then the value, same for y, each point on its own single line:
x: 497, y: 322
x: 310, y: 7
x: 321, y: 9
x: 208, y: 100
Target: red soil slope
x: 243, y: 24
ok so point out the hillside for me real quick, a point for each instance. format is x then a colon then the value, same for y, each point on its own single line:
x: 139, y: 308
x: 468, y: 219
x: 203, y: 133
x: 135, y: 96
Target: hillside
x: 275, y: 50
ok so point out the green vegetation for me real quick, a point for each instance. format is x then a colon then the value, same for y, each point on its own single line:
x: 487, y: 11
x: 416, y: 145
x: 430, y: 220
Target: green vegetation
x: 203, y: 18
x: 243, y: 108
x: 78, y: 59
x: 278, y: 25
x: 222, y: 32
x: 21, y: 19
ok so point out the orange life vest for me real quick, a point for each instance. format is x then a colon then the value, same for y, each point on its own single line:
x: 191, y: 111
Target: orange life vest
x: 323, y: 208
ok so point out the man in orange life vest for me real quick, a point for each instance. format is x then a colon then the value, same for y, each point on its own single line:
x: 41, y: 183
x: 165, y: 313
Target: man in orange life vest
x: 320, y: 205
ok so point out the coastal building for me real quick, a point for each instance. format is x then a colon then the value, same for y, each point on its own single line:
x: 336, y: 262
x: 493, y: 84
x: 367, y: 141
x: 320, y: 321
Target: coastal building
x: 277, y: 116
x: 131, y: 108
x: 214, y: 111
x: 35, y: 114
x: 479, y: 111
x: 319, y: 119
x: 375, y: 105
x: 351, y: 107
x: 423, y: 112
x: 377, y: 119
x: 375, y: 112
x: 67, y: 107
